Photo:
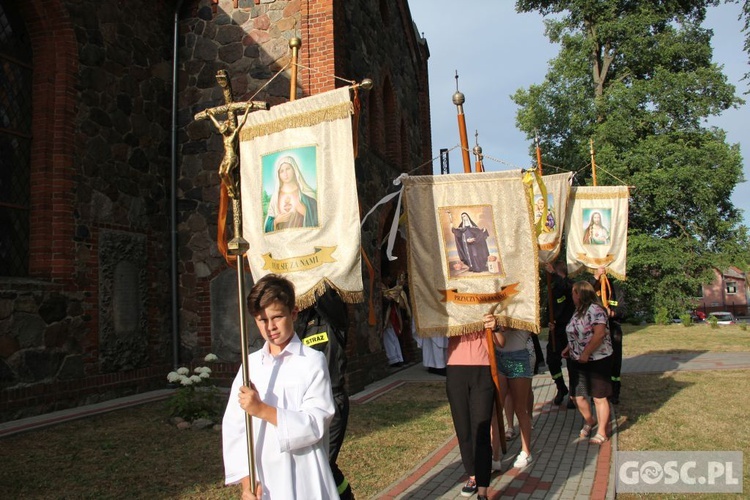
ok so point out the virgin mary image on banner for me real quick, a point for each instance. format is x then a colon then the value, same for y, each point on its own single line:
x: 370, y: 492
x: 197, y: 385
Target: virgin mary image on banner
x: 289, y: 178
x: 467, y: 242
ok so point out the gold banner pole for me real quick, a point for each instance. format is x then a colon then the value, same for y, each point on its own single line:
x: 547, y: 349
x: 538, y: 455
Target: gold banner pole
x: 295, y: 43
x: 238, y: 246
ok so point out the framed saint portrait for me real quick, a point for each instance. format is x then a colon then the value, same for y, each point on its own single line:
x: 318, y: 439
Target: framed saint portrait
x: 549, y: 220
x: 289, y: 181
x: 470, y: 241
x: 597, y: 226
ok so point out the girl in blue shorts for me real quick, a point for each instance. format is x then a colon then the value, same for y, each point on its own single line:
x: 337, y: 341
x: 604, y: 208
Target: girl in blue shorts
x: 515, y: 371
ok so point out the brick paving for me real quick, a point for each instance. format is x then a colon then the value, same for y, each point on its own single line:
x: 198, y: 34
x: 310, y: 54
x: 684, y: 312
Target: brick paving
x: 564, y: 466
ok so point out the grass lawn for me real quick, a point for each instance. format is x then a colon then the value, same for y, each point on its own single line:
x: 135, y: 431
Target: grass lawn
x: 686, y: 411
x: 676, y: 338
x: 135, y: 453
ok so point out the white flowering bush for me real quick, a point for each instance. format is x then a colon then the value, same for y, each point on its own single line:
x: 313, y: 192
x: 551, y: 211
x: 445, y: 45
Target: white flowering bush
x: 196, y: 395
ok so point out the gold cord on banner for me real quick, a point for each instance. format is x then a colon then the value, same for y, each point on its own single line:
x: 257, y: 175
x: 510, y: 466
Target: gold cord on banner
x: 605, y: 290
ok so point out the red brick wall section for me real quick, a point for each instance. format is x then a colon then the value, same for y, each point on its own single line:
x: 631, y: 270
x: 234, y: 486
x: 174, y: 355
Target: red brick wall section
x: 55, y: 60
x: 317, y: 51
x: 43, y: 398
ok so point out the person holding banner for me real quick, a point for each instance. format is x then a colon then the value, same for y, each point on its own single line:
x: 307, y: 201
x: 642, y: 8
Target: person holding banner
x: 589, y: 351
x: 515, y: 372
x: 471, y: 396
x: 291, y: 403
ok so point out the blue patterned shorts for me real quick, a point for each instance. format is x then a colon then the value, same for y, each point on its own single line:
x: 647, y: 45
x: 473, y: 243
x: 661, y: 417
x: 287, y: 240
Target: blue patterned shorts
x: 514, y: 364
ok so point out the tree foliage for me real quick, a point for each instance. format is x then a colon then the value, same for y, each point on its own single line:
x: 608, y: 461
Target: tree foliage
x: 637, y: 79
x: 746, y: 30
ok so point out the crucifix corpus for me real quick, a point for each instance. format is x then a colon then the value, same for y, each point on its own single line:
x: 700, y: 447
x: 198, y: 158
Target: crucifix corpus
x: 229, y: 129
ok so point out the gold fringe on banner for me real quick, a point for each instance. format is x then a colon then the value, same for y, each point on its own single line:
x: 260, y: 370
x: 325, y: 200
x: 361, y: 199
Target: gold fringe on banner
x: 309, y: 119
x: 454, y: 331
x: 602, y: 196
x: 309, y: 298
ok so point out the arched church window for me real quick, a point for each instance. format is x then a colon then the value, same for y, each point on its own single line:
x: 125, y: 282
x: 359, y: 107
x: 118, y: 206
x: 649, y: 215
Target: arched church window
x: 15, y: 141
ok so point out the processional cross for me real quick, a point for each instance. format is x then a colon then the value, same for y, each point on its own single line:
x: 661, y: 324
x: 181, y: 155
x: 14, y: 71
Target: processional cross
x: 238, y: 246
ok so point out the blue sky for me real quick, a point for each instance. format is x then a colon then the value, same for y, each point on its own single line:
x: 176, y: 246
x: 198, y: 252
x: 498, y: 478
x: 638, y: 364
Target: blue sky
x: 497, y: 51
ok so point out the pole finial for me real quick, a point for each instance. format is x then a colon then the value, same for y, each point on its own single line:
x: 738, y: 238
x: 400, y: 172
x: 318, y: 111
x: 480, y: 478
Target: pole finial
x: 458, y: 97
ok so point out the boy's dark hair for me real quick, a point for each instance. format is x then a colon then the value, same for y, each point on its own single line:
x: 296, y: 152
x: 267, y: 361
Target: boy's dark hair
x: 269, y: 289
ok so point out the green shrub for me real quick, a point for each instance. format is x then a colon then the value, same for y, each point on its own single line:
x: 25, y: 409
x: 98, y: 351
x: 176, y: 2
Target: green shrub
x: 191, y: 403
x: 662, y: 316
x: 743, y: 325
x: 713, y: 321
x: 197, y: 396
x: 686, y: 319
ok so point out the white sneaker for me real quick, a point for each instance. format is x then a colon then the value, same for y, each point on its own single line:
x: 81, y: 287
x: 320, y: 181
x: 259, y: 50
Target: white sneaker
x: 522, y: 460
x: 497, y: 465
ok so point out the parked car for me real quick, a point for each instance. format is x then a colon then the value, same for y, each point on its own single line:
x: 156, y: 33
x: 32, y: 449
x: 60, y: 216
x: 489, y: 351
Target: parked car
x: 723, y: 318
x: 695, y: 317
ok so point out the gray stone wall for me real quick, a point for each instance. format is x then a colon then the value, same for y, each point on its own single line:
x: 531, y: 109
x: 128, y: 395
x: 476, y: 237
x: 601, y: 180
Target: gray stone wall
x: 123, y: 126
x: 252, y: 44
x: 51, y: 332
x: 41, y: 334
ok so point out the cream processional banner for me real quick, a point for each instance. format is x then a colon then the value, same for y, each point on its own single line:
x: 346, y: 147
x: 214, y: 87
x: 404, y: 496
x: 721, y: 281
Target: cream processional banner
x: 597, y: 229
x: 299, y: 196
x: 471, y: 245
x: 550, y: 205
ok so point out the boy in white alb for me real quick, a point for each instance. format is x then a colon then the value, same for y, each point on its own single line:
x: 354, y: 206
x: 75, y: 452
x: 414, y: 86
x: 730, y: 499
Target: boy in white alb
x: 291, y: 403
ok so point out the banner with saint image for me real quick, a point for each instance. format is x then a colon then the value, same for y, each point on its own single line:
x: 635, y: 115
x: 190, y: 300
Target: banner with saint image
x: 597, y: 229
x: 299, y: 196
x: 550, y: 216
x: 471, y: 244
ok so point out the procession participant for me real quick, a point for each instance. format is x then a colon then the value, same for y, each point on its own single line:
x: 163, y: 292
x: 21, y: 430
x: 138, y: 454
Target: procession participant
x: 562, y: 310
x: 515, y: 373
x: 323, y: 326
x: 471, y: 396
x: 589, y: 350
x: 291, y: 403
x: 616, y: 309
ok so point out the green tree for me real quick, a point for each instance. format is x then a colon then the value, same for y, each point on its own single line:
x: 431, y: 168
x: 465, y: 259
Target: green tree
x: 746, y: 30
x: 637, y: 79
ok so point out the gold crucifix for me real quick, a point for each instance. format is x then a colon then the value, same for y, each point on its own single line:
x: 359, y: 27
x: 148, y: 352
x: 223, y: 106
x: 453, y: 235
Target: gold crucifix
x: 229, y: 130
x: 238, y: 246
